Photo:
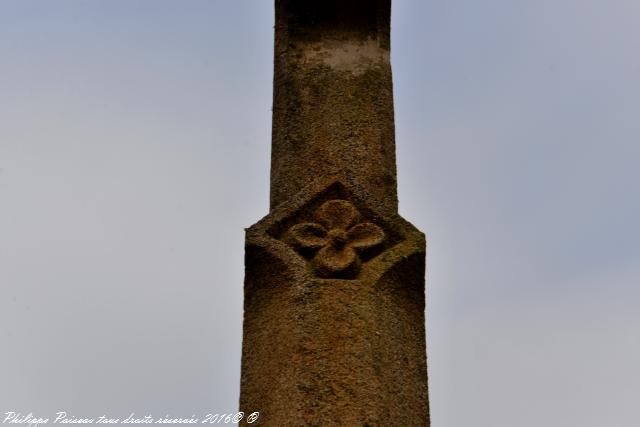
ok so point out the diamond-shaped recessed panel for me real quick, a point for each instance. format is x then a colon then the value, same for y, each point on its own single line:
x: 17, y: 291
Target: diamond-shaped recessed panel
x: 333, y: 235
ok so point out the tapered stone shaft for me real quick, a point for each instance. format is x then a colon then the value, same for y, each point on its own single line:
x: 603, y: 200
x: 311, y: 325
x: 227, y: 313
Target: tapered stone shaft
x: 334, y: 277
x: 333, y: 100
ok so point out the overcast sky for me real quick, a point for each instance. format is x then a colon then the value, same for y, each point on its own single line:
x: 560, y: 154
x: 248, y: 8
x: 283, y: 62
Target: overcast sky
x: 134, y: 149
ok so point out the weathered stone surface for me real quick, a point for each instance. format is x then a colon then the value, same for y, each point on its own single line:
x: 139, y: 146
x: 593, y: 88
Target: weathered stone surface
x: 333, y: 97
x: 334, y: 281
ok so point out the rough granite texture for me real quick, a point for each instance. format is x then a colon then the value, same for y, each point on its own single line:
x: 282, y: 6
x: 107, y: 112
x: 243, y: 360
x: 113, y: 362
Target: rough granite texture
x: 334, y: 282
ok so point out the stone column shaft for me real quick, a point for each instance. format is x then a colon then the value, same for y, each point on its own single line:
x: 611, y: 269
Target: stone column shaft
x: 334, y: 277
x: 332, y: 97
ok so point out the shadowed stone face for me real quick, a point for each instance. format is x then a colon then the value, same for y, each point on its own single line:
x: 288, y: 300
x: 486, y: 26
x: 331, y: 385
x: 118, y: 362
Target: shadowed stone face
x: 334, y: 277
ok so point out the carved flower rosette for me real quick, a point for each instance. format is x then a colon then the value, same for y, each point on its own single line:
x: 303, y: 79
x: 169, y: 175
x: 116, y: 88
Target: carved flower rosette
x: 334, y: 244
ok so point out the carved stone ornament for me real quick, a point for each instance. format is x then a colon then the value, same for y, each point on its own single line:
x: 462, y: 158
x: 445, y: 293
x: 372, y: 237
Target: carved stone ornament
x: 334, y: 295
x: 335, y: 242
x: 334, y: 311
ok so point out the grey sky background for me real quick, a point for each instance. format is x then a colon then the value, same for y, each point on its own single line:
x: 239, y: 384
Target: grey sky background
x: 134, y: 149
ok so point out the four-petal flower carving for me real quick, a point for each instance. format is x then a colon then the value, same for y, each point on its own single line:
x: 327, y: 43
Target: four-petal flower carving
x: 335, y: 239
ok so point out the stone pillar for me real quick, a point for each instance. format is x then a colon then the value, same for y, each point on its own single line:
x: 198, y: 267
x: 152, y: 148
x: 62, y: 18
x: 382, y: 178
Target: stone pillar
x: 334, y: 281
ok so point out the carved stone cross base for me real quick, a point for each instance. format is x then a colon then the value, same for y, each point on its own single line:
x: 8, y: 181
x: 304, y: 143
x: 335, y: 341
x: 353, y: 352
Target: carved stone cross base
x: 334, y: 324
